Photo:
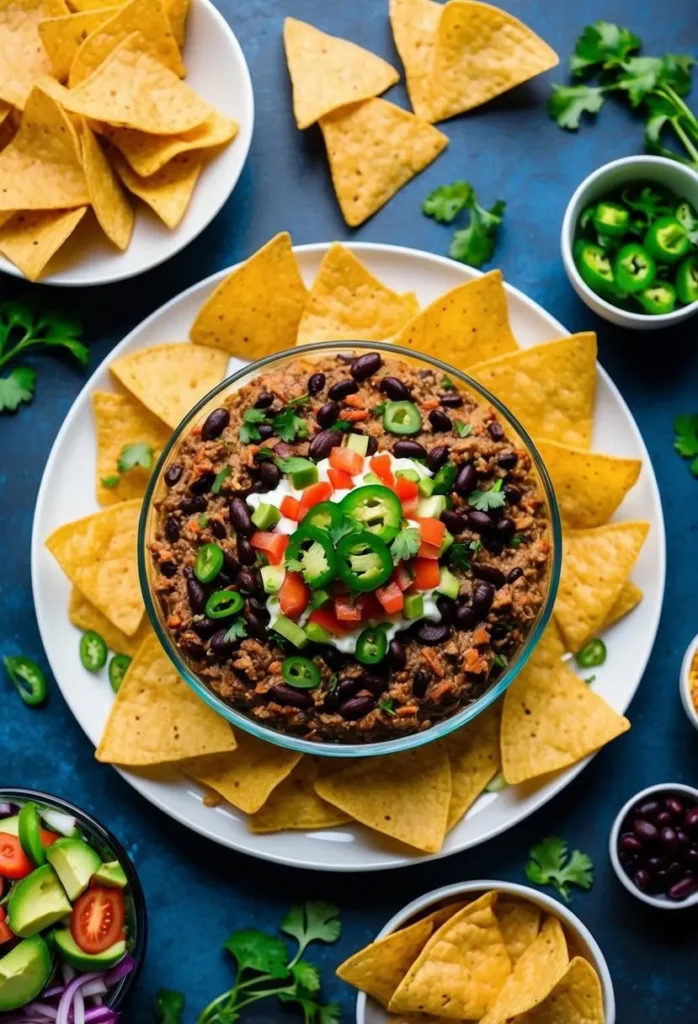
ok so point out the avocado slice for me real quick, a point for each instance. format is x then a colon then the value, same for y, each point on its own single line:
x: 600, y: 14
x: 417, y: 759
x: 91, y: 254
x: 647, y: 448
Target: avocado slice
x: 29, y: 834
x: 69, y: 950
x: 112, y: 875
x: 10, y: 826
x: 75, y: 863
x: 24, y: 972
x: 37, y: 902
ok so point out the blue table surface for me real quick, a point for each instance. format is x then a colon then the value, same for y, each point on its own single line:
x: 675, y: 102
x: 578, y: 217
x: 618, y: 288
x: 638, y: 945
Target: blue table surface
x: 198, y: 892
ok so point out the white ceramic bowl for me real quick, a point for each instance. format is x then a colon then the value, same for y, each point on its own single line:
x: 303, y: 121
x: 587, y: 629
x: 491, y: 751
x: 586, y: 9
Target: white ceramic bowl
x: 661, y: 902
x: 685, y: 683
x: 672, y: 175
x: 368, y: 1010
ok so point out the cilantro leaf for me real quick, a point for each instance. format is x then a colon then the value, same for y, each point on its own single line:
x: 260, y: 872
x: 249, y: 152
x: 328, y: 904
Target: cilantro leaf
x: 447, y: 384
x: 387, y: 706
x: 169, y: 1007
x: 137, y: 454
x: 486, y: 501
x: 549, y: 865
x: 447, y: 201
x: 299, y: 400
x: 306, y: 975
x: 312, y: 922
x: 648, y: 201
x: 463, y: 429
x: 567, y: 103
x: 21, y: 330
x: 459, y: 556
x: 474, y: 245
x: 288, y: 426
x: 602, y: 45
x: 17, y: 387
x: 330, y: 1014
x: 111, y: 481
x: 378, y: 410
x: 248, y: 430
x: 406, y: 544
x: 237, y: 631
x: 259, y: 952
x: 686, y: 440
x: 221, y: 476
x: 640, y: 76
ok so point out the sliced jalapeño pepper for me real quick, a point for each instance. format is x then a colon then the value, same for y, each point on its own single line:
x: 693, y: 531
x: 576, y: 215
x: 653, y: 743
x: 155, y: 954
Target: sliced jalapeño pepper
x: 28, y: 679
x: 633, y: 269
x: 117, y: 670
x: 402, y: 418
x: 374, y: 508
x: 363, y: 561
x: 686, y: 216
x: 313, y: 550
x: 592, y: 654
x: 659, y: 299
x: 611, y: 219
x: 594, y: 267
x: 372, y: 646
x: 209, y: 562
x: 326, y: 515
x: 667, y: 240
x: 300, y: 672
x: 444, y: 479
x: 93, y: 651
x: 687, y: 279
x: 223, y: 603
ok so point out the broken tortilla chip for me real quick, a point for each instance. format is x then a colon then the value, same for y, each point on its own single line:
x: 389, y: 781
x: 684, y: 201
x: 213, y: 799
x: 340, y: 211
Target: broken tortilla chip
x: 85, y: 616
x: 23, y: 59
x: 375, y: 148
x: 327, y: 72
x: 588, y: 486
x: 550, y: 388
x: 535, y: 975
x: 156, y: 718
x: 31, y: 239
x: 295, y: 804
x: 473, y: 753
x: 109, y: 201
x: 256, y: 309
x: 595, y: 566
x: 379, y: 968
x: 98, y: 555
x: 404, y: 795
x: 170, y: 379
x: 415, y: 25
x: 519, y: 924
x: 122, y: 421
x: 576, y: 999
x: 177, y: 12
x: 629, y: 597
x: 148, y: 154
x: 347, y: 301
x: 62, y: 37
x: 168, y: 192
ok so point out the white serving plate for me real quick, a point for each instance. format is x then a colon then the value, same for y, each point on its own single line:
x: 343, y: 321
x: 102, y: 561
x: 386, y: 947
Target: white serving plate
x: 67, y: 492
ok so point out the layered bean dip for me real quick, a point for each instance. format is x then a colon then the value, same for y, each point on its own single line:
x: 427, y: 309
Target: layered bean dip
x: 350, y: 548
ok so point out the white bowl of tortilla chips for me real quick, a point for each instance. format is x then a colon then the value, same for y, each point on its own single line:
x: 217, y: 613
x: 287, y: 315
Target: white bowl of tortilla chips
x: 489, y: 951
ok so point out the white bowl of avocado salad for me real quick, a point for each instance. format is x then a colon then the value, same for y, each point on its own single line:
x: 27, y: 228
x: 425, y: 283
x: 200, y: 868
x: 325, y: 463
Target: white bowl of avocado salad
x: 72, y: 914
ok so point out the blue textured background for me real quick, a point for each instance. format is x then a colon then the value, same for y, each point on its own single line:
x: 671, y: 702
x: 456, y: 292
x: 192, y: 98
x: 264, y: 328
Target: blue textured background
x: 197, y: 892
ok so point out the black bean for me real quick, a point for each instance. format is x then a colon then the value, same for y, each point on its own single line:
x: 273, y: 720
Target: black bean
x: 645, y: 831
x: 447, y: 609
x: 630, y: 843
x: 440, y: 421
x: 333, y: 658
x: 356, y: 707
x: 478, y: 521
x: 397, y: 655
x: 648, y: 809
x: 691, y: 821
x: 490, y: 573
x: 409, y: 450
x: 465, y: 617
x: 203, y: 483
x: 395, y: 389
x: 342, y: 389
x: 168, y: 569
x: 505, y: 530
x: 224, y: 579
x: 204, y: 627
x: 245, y: 581
x: 507, y: 460
x: 657, y: 864
x: 437, y: 456
x: 664, y: 819
x: 173, y: 474
x: 219, y: 645
x: 323, y: 443
x: 258, y: 604
x: 372, y: 445
x: 495, y: 430
x: 512, y: 494
x: 217, y: 528
x: 483, y: 596
x: 171, y: 529
x: 681, y: 890
x: 214, y: 424
x: 240, y: 517
x: 230, y: 563
x: 255, y: 626
x: 673, y: 871
x: 327, y: 414
x: 264, y: 400
x: 270, y: 475
x: 316, y: 383
x: 674, y: 806
x: 288, y: 695
x: 432, y: 633
x: 642, y: 879
x: 347, y: 688
x: 451, y: 401
x: 494, y: 547
x: 265, y: 431
x: 331, y: 702
x: 283, y: 449
x: 453, y: 521
x: 420, y: 683
x: 465, y: 480
x: 365, y: 366
x: 515, y: 574
x: 196, y: 595
x: 376, y: 684
x: 192, y: 647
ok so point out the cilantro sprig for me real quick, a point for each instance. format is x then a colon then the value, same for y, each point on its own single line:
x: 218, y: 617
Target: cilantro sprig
x: 136, y: 454
x: 550, y: 864
x: 406, y: 544
x: 473, y: 244
x: 487, y: 501
x: 22, y: 331
x: 686, y: 440
x: 169, y: 1007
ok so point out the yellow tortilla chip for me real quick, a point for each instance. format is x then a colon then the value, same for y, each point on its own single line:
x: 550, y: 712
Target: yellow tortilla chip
x: 23, y: 59
x: 595, y: 566
x: 109, y: 201
x: 550, y: 388
x: 464, y: 324
x: 535, y: 975
x: 148, y: 154
x: 30, y: 239
x: 473, y: 753
x: 415, y: 25
x: 379, y: 968
x: 8, y: 127
x: 348, y: 302
x: 404, y: 795
x: 98, y: 555
x: 83, y: 614
x: 78, y: 6
x: 375, y: 148
x: 62, y: 37
x: 246, y: 776
x: 157, y: 719
x: 482, y: 51
x: 177, y: 12
x: 576, y: 999
x: 41, y: 169
x: 170, y: 379
x: 327, y: 72
x: 120, y: 421
x: 295, y: 804
x: 461, y: 969
x: 168, y: 192
x: 519, y: 924
x: 133, y: 90
x: 589, y: 486
x: 255, y: 311
x: 629, y: 597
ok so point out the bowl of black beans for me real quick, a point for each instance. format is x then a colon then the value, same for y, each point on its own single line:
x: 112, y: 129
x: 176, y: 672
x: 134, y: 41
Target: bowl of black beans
x: 654, y: 846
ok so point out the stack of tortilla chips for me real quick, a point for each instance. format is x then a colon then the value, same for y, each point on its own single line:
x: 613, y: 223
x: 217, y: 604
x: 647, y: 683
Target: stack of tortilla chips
x: 549, y: 718
x: 496, y: 959
x: 93, y: 108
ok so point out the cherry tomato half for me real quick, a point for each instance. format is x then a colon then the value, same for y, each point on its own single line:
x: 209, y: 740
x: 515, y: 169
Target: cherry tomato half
x: 14, y: 862
x: 97, y: 920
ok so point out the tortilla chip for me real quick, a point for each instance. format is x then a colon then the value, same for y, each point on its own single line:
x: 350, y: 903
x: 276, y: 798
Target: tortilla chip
x: 550, y: 388
x: 41, y: 169
x: 629, y: 597
x: 535, y: 975
x: 576, y: 999
x: 120, y: 420
x: 83, y: 614
x: 256, y: 309
x: 551, y: 719
x: 134, y: 90
x: 98, y: 555
x: 30, y: 239
x: 78, y: 6
x: 589, y: 486
x: 482, y: 51
x: 8, y: 126
x: 519, y: 924
x: 473, y: 753
x: 170, y: 379
x: 148, y: 154
x: 404, y: 795
x: 327, y: 72
x: 462, y: 967
x: 177, y: 12
x: 295, y: 804
x: 465, y: 324
x: 63, y: 37
x: 595, y: 566
x: 246, y: 776
x: 23, y: 59
x: 347, y: 301
x: 168, y: 192
x: 109, y: 201
x: 415, y: 25
x: 157, y: 719
x: 375, y: 148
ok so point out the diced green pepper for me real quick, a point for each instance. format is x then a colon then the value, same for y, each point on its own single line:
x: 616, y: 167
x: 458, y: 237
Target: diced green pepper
x: 409, y: 474
x: 414, y: 606
x: 448, y: 583
x: 446, y: 543
x: 305, y: 477
x: 265, y: 517
x: 319, y: 597
x: 426, y: 486
x: 272, y: 578
x: 372, y: 478
x: 290, y: 631
x: 317, y: 634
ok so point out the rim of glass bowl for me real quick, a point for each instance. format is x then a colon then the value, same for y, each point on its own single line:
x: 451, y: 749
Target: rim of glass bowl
x: 270, y: 735
x: 93, y: 827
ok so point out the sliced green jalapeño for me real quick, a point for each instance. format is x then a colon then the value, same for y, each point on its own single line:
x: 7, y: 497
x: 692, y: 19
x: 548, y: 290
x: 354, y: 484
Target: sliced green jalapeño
x: 371, y: 646
x: 376, y: 509
x: 633, y: 269
x: 611, y: 219
x: 300, y: 672
x: 594, y: 267
x: 363, y: 561
x: 311, y: 552
x: 667, y: 240
x: 659, y: 299
x: 402, y: 418
x: 687, y: 279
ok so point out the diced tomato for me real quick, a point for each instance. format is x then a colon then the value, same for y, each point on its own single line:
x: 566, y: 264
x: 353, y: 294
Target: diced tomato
x: 390, y: 596
x: 405, y: 489
x: 97, y: 920
x: 290, y: 507
x: 371, y: 608
x: 5, y: 933
x: 432, y: 531
x: 326, y: 618
x: 293, y: 595
x: 314, y: 494
x: 347, y: 610
x: 428, y: 550
x: 426, y: 573
x: 272, y: 544
x: 402, y: 577
x: 47, y: 838
x: 340, y: 480
x: 380, y: 464
x: 410, y: 507
x: 347, y: 460
x: 14, y: 862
